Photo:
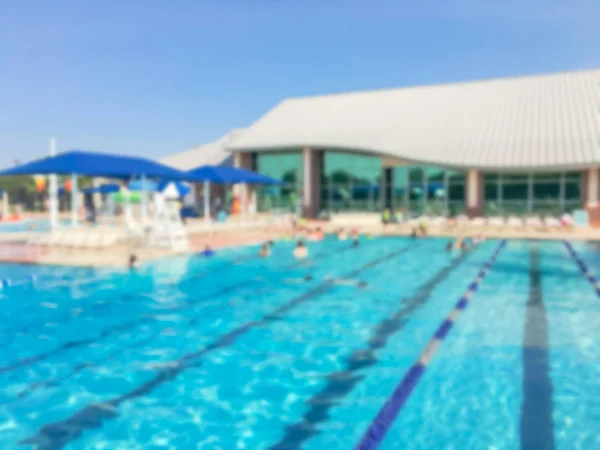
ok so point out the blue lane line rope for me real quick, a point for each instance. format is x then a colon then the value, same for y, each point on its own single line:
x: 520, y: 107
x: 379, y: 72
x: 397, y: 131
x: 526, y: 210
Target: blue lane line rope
x: 377, y: 430
x: 583, y: 267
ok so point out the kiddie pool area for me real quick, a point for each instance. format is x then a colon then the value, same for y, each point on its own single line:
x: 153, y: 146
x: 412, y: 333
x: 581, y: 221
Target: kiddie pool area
x: 395, y: 343
x: 38, y: 225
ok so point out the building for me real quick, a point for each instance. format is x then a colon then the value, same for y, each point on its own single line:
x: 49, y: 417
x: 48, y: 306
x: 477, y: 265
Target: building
x: 505, y: 146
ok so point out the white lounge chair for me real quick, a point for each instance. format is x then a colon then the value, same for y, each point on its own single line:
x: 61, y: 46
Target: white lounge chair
x: 552, y: 223
x: 514, y: 222
x: 477, y: 222
x: 534, y: 222
x: 496, y: 222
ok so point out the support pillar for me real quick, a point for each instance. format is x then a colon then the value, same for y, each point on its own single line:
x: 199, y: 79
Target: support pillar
x: 474, y: 194
x: 590, y: 194
x: 311, y: 182
x: 243, y: 160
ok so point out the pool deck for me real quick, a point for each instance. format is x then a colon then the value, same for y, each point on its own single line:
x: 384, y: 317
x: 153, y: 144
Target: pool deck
x: 14, y: 247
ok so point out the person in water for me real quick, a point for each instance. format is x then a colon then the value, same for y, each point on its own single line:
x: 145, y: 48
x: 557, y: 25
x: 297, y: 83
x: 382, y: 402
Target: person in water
x: 132, y: 262
x: 318, y: 234
x: 208, y: 251
x: 342, y: 235
x: 346, y: 282
x: 300, y: 251
x: 414, y: 233
x: 449, y: 246
x: 298, y: 280
x: 265, y: 251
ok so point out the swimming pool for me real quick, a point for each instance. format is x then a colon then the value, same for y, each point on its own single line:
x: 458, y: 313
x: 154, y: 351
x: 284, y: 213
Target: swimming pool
x: 494, y: 348
x: 27, y: 225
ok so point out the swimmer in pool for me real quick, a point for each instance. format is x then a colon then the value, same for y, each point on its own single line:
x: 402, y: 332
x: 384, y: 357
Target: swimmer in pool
x: 265, y: 251
x: 298, y: 280
x: 344, y: 282
x: 208, y: 251
x: 449, y: 246
x: 132, y: 262
x: 318, y: 235
x: 300, y: 251
x: 413, y: 233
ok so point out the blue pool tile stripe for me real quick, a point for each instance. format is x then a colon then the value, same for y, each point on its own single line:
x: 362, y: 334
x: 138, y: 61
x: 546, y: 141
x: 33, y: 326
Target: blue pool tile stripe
x: 379, y: 427
x: 583, y: 267
x: 536, y: 424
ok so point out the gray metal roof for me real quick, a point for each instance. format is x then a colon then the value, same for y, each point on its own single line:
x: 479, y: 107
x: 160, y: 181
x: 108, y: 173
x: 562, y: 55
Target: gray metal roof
x: 532, y: 122
x: 212, y: 153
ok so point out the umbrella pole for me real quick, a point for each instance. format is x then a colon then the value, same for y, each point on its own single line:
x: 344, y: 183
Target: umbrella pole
x: 53, y: 191
x: 74, y: 200
x: 206, y: 192
x: 5, y: 205
x: 143, y: 199
x: 244, y: 201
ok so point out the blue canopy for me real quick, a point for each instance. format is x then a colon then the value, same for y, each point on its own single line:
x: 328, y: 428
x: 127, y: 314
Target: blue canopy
x: 229, y: 175
x: 182, y: 188
x: 143, y: 185
x: 103, y: 189
x: 97, y: 165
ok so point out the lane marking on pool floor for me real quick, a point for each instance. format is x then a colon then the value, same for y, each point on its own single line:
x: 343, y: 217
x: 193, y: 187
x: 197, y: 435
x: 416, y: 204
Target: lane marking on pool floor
x: 140, y: 320
x: 342, y: 382
x: 583, y: 267
x: 56, y: 435
x: 536, y: 424
x: 377, y: 430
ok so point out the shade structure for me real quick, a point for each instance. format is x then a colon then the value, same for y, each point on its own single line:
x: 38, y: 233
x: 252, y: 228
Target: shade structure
x: 230, y: 175
x: 181, y: 188
x: 107, y: 188
x: 97, y: 165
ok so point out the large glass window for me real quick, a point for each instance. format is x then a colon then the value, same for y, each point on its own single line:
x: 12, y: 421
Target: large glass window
x: 350, y: 182
x: 537, y: 193
x: 286, y: 167
x: 456, y: 192
x: 429, y: 190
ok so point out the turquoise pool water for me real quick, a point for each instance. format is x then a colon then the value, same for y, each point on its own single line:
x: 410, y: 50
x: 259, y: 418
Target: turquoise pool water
x: 237, y: 352
x: 27, y: 225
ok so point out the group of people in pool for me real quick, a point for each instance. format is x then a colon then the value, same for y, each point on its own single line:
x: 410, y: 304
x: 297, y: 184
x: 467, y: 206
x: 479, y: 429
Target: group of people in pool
x: 301, y: 250
x: 464, y: 244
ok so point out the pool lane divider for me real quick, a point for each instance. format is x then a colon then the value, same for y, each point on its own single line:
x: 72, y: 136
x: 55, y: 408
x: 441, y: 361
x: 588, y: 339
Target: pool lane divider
x: 341, y: 383
x: 381, y: 424
x: 583, y: 267
x: 56, y: 435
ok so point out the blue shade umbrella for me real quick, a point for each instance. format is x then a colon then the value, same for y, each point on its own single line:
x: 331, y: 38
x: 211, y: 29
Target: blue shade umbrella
x: 229, y: 175
x: 182, y: 188
x: 97, y: 165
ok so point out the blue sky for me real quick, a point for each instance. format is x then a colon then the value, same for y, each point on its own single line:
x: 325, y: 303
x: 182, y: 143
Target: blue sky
x: 155, y: 77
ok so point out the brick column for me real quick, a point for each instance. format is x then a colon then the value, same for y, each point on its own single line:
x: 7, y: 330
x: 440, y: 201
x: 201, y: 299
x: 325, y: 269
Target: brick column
x: 311, y: 182
x: 474, y: 193
x: 590, y: 194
